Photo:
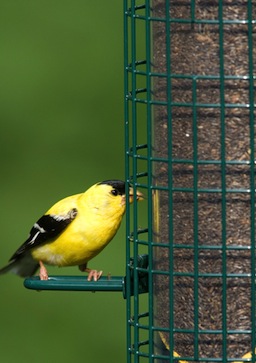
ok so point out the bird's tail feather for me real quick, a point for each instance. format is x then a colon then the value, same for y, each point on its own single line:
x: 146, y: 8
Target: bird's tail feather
x: 24, y: 266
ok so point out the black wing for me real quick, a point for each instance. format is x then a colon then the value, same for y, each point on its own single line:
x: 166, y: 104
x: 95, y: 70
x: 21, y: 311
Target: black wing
x: 46, y: 228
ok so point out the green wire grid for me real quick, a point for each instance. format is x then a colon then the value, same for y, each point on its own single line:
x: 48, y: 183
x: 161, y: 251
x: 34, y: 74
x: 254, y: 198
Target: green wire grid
x: 147, y: 339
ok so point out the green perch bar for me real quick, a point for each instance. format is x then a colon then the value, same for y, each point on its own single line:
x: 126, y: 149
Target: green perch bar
x: 75, y: 283
x: 105, y: 283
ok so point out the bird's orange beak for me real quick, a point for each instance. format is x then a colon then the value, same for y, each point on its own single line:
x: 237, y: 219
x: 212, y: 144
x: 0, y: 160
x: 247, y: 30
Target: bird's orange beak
x: 139, y: 195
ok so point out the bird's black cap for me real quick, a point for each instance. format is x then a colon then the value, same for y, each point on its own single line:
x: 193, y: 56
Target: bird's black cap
x: 119, y: 185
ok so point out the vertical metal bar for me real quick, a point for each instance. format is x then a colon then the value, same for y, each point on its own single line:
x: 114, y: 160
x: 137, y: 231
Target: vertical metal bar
x: 170, y: 177
x: 192, y: 11
x: 195, y: 200
x: 127, y: 174
x: 223, y: 182
x: 252, y: 175
x: 149, y: 184
x: 134, y: 180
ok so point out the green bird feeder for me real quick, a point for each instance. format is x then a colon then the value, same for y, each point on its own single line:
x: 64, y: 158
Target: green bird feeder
x: 190, y: 148
x: 190, y: 144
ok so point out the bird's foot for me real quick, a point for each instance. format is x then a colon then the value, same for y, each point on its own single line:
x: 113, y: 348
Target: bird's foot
x: 93, y: 274
x: 43, y: 274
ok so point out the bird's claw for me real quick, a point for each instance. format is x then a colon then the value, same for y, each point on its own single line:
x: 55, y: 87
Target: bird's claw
x: 94, y: 275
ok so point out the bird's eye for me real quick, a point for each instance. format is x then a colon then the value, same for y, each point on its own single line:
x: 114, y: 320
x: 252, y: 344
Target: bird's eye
x: 114, y: 192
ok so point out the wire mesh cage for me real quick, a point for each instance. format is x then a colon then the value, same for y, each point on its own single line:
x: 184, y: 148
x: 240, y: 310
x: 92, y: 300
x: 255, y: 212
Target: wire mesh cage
x: 190, y: 146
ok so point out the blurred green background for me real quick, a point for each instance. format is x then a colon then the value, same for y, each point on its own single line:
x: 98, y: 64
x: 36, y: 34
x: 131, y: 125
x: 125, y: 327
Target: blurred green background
x: 61, y: 130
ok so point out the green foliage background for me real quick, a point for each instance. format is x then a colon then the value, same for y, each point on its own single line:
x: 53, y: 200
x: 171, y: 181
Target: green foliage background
x: 61, y: 130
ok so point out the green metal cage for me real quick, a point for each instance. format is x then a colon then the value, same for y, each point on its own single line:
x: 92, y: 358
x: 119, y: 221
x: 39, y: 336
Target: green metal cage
x: 190, y: 147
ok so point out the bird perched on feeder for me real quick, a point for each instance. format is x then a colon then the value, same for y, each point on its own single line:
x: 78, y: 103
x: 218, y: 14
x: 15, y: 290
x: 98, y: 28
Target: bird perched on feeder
x: 73, y: 231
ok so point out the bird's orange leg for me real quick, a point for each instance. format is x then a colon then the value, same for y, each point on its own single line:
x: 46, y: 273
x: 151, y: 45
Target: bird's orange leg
x: 43, y: 274
x: 93, y: 274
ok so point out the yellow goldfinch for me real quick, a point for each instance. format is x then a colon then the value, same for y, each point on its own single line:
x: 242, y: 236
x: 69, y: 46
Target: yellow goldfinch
x: 73, y: 231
